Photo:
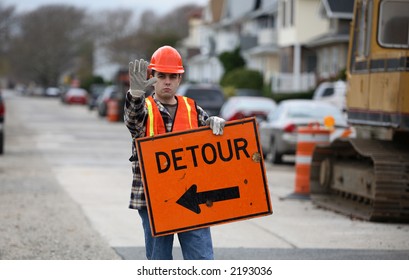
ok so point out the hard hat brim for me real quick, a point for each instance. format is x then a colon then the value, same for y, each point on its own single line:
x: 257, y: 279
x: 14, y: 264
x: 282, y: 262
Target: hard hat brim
x: 178, y: 70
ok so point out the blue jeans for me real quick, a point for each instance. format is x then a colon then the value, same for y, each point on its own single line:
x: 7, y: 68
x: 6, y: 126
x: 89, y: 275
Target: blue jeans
x: 195, y: 244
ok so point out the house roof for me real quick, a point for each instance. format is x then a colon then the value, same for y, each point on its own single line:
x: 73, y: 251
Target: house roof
x: 231, y: 11
x: 234, y: 10
x: 263, y: 7
x: 264, y: 49
x: 327, y: 39
x: 338, y: 8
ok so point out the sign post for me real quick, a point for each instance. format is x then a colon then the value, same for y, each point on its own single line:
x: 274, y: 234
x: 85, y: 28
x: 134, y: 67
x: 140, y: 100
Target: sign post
x: 194, y: 179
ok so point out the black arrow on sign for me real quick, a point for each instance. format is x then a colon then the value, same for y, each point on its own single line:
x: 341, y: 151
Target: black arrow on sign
x: 191, y: 198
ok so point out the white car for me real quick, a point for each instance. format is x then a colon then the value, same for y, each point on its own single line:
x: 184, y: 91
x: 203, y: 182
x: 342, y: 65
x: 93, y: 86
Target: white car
x: 239, y: 107
x: 52, y: 91
x: 278, y: 134
x: 333, y: 93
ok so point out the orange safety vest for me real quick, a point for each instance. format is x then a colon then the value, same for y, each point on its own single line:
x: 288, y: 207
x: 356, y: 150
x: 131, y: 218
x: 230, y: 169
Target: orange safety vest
x: 185, y: 116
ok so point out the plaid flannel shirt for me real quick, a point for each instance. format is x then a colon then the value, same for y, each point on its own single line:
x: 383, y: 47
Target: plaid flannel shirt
x: 135, y: 116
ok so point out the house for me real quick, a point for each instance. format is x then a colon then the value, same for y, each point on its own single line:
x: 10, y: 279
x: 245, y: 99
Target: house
x: 297, y: 24
x: 331, y: 48
x: 288, y: 41
x: 261, y: 22
x: 205, y: 65
x: 228, y: 25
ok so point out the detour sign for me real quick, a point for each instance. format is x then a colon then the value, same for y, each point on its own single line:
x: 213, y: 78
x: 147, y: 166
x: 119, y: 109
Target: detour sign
x: 195, y: 179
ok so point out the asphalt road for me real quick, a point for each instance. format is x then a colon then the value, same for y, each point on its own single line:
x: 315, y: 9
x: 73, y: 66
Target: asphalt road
x: 64, y: 191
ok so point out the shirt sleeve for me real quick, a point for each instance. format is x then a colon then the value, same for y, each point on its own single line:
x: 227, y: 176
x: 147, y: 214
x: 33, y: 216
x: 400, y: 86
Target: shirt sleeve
x: 135, y: 114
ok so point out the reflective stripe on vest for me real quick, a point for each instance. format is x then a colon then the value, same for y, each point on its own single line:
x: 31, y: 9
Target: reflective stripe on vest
x: 185, y: 116
x: 189, y: 109
x: 150, y: 117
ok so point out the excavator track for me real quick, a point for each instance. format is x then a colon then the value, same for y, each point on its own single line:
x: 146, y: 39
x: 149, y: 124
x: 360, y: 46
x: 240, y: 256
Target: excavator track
x: 364, y: 179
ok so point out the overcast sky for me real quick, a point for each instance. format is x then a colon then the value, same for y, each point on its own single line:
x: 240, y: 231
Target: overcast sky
x: 158, y: 6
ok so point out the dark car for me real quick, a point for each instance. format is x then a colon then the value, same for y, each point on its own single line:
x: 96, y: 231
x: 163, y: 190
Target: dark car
x: 95, y: 91
x: 2, y: 114
x: 209, y: 97
x: 110, y: 93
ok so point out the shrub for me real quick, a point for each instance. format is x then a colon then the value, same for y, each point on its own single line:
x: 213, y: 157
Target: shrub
x: 232, y: 60
x: 243, y: 78
x: 295, y: 95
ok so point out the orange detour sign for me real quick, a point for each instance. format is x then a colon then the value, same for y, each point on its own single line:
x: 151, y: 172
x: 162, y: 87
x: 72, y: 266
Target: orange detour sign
x: 195, y: 179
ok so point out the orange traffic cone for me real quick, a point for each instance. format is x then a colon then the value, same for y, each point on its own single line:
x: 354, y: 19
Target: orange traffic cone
x: 307, y: 138
x: 112, y: 111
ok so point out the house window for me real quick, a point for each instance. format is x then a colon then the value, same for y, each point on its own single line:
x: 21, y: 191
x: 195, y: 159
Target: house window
x: 283, y: 14
x: 287, y: 8
x: 325, y: 60
x: 333, y: 25
x: 335, y: 60
x: 257, y: 5
x: 311, y: 62
x: 291, y: 3
x: 265, y: 22
x: 343, y: 27
x: 394, y: 24
x: 285, y: 61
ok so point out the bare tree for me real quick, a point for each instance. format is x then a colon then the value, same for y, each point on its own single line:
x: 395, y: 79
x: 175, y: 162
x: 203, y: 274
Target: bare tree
x: 49, y: 43
x: 154, y: 32
x: 110, y: 27
x: 7, y: 19
x: 177, y: 21
x: 60, y: 39
x: 125, y: 41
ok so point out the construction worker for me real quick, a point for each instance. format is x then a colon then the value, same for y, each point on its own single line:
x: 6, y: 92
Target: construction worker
x: 163, y: 112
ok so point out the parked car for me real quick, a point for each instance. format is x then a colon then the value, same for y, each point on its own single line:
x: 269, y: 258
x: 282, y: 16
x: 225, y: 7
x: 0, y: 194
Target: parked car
x: 239, y: 107
x: 278, y: 134
x: 109, y: 93
x: 94, y: 92
x: 2, y: 115
x: 209, y: 97
x: 76, y: 96
x: 63, y: 91
x: 52, y: 92
x: 333, y: 93
x: 36, y: 91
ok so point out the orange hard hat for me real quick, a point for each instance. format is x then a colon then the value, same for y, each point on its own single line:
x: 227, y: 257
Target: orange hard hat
x: 166, y: 60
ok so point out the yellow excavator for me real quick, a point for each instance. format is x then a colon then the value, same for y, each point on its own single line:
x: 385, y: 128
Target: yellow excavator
x: 367, y: 177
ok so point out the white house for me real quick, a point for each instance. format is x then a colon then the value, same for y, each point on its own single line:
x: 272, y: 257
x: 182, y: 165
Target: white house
x: 262, y: 24
x: 205, y: 66
x: 288, y: 41
x: 331, y: 48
